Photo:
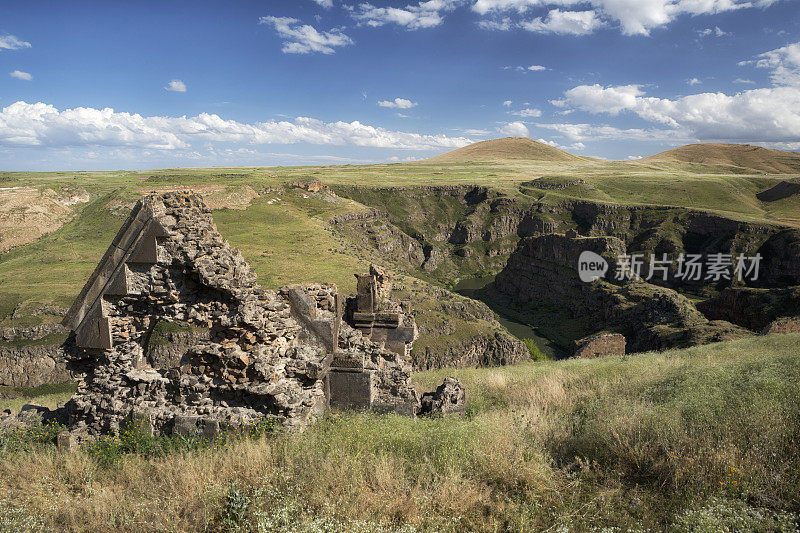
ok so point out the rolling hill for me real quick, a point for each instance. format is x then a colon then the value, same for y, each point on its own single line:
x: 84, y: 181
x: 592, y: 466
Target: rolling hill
x: 507, y: 148
x: 740, y: 156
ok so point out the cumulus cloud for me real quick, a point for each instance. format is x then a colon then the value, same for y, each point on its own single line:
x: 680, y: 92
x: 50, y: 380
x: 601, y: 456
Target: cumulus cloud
x: 11, y: 42
x: 397, y: 103
x: 40, y: 124
x: 503, y: 24
x: 766, y: 115
x: 598, y: 99
x: 176, y: 86
x: 21, y: 75
x: 783, y: 62
x: 303, y: 38
x: 327, y: 4
x: 634, y: 17
x: 694, y: 81
x: 514, y: 129
x: 744, y: 81
x: 528, y: 113
x: 565, y: 23
x: 537, y: 68
x: 507, y: 103
x: 412, y: 17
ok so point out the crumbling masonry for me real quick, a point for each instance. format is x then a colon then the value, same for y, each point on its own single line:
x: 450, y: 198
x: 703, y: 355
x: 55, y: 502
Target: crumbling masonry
x: 282, y: 355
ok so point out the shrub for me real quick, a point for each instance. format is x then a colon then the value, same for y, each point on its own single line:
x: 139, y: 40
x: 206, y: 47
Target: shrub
x: 536, y: 353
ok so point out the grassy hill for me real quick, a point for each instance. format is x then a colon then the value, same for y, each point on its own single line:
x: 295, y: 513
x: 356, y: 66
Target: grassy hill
x: 704, y: 439
x: 743, y: 158
x: 506, y: 149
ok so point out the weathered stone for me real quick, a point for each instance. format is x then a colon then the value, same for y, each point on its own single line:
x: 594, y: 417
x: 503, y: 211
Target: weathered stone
x: 600, y: 345
x: 266, y: 354
x: 783, y: 326
x: 447, y: 400
x: 66, y: 442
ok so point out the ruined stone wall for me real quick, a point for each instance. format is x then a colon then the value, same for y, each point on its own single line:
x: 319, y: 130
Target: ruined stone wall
x: 31, y: 366
x: 261, y: 357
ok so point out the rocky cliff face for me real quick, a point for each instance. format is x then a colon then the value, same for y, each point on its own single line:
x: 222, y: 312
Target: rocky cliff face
x: 543, y: 270
x: 752, y: 308
x: 31, y: 366
x: 461, y: 230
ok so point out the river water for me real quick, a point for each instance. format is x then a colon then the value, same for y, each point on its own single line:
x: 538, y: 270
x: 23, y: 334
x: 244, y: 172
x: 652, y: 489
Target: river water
x: 470, y: 288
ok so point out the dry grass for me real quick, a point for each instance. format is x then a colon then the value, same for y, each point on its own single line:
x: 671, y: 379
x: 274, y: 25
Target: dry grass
x: 627, y: 442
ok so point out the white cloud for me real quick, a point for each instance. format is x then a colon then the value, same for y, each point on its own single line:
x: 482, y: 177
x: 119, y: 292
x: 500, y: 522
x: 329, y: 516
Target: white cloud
x: 21, y: 75
x: 305, y: 39
x: 537, y: 68
x: 765, y: 115
x: 784, y: 63
x: 514, y: 129
x: 527, y: 113
x: 503, y: 24
x: 327, y: 4
x: 599, y: 99
x: 10, y: 42
x: 635, y: 157
x: 476, y: 132
x: 634, y: 17
x: 693, y: 81
x: 176, y: 86
x: 507, y: 103
x: 40, y: 124
x: 398, y: 103
x: 716, y: 30
x: 594, y: 132
x: 565, y: 23
x: 413, y: 17
x: 744, y: 81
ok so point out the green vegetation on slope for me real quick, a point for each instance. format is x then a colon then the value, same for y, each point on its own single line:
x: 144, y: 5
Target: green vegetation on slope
x: 704, y: 439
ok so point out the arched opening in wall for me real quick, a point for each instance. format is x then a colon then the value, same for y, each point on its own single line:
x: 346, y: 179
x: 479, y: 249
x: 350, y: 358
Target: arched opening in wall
x: 167, y: 341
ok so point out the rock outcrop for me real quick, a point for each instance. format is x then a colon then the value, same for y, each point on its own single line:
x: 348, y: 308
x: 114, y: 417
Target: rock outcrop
x: 34, y: 365
x: 752, y: 308
x: 545, y: 270
x: 600, y: 345
x: 783, y: 326
x: 449, y: 399
x: 268, y: 355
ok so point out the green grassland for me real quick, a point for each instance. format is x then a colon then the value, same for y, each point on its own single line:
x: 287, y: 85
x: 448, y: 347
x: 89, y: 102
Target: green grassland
x: 289, y: 240
x: 703, y: 439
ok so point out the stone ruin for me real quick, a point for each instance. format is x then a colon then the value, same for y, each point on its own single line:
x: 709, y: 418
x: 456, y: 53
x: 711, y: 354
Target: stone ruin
x: 283, y: 355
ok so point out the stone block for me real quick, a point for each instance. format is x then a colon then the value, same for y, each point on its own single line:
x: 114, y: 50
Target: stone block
x: 348, y: 360
x: 449, y: 399
x: 350, y: 390
x: 66, y: 442
x: 302, y: 302
x: 211, y: 429
x: 185, y: 426
x: 141, y: 423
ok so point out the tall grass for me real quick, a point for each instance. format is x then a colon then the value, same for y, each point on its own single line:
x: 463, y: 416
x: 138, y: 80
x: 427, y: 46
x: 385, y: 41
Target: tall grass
x: 696, y: 439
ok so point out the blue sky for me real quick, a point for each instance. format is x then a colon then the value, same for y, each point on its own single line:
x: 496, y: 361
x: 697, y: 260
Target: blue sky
x: 132, y: 85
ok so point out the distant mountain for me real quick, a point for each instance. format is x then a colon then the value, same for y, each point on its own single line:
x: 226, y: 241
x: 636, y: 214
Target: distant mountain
x: 743, y: 156
x: 507, y: 148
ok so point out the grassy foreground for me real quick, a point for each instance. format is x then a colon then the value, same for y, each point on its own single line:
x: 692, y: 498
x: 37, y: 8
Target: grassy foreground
x: 703, y: 439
